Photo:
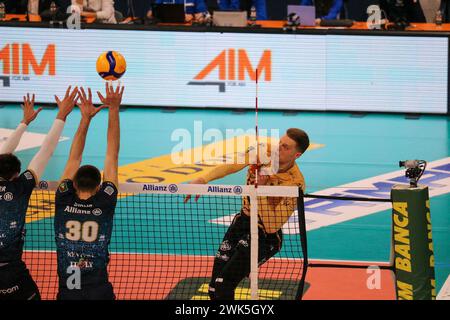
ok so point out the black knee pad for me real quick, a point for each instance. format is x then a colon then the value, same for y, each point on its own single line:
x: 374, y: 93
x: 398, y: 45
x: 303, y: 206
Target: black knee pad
x: 223, y: 291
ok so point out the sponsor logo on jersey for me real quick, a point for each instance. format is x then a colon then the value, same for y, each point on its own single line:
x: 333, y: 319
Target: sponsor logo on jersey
x: 75, y: 254
x: 83, y: 205
x: 225, y: 246
x: 9, y: 290
x: 43, y: 185
x: 97, y: 212
x: 63, y: 187
x: 70, y: 209
x: 83, y: 263
x: 243, y: 243
x: 8, y: 196
x: 28, y: 175
x: 109, y: 190
x: 223, y: 257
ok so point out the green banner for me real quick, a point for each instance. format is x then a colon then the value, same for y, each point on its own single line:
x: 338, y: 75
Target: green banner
x: 412, y: 243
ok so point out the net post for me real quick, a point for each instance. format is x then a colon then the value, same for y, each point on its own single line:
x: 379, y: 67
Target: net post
x: 303, y: 241
x: 392, y: 255
x: 413, y: 244
x: 254, y: 243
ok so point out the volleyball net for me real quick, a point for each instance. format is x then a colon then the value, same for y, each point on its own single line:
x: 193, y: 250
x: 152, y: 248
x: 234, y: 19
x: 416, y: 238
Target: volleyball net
x: 164, y: 247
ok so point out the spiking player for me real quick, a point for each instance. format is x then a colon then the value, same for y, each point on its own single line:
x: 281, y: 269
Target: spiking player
x: 16, y: 282
x: 232, y: 261
x: 85, y: 208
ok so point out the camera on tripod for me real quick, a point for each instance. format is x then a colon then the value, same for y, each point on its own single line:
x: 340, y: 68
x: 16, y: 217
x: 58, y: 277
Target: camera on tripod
x: 414, y: 170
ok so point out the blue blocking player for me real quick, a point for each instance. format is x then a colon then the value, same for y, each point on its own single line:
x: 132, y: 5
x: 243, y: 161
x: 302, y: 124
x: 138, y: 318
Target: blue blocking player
x: 16, y: 282
x: 85, y: 208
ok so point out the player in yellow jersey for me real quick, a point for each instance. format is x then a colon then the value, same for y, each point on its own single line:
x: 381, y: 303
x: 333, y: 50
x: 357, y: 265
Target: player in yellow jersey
x: 232, y: 261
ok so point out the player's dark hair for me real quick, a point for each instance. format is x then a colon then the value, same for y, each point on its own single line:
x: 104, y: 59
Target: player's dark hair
x: 9, y: 166
x: 300, y: 137
x: 87, y: 178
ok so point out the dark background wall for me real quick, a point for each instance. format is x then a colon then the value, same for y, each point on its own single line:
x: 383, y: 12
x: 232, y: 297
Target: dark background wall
x: 276, y: 9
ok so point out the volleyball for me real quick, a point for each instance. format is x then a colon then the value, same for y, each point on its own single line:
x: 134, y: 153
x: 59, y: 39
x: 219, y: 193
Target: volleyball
x: 111, y: 65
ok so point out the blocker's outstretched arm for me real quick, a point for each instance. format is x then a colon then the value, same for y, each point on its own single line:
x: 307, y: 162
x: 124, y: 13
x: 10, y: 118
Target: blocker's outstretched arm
x: 113, y: 100
x: 29, y: 114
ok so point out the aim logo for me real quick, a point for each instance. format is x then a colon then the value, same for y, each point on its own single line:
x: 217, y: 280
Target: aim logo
x: 234, y: 68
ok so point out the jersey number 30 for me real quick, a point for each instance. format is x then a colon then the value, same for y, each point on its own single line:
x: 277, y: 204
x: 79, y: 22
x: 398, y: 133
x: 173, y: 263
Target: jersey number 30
x: 86, y: 231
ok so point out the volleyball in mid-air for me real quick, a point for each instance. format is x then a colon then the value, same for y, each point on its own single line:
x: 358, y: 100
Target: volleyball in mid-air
x: 111, y: 65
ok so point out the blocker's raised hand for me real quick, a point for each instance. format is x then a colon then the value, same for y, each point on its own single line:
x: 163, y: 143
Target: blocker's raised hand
x: 87, y: 108
x: 67, y: 104
x: 29, y: 114
x: 113, y: 97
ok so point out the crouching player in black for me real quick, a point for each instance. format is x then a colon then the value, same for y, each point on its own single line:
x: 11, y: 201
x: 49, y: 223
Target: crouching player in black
x: 16, y: 282
x: 85, y: 209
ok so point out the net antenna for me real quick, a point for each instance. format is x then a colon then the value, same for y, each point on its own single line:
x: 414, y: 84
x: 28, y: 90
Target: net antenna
x: 256, y: 132
x: 254, y: 236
